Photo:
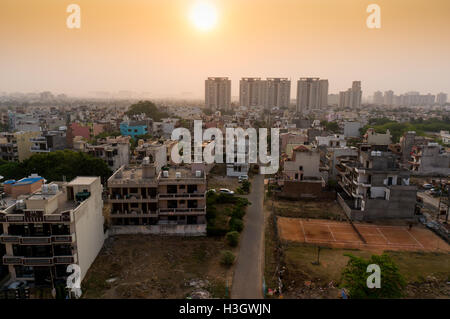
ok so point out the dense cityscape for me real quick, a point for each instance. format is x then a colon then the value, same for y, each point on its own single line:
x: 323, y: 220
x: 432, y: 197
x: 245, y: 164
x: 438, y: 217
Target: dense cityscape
x: 218, y: 172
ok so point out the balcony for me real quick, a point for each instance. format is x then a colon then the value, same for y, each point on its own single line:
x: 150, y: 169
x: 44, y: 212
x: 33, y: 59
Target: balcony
x: 182, y: 195
x: 131, y: 199
x: 181, y: 211
x: 9, y: 239
x: 65, y: 260
x: 12, y: 260
x: 63, y: 239
x: 37, y: 261
x: 46, y: 240
x: 135, y: 214
x: 35, y: 240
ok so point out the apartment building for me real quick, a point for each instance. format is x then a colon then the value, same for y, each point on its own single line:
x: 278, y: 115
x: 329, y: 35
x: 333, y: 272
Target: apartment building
x: 218, y: 93
x: 251, y: 92
x: 154, y: 150
x: 312, y: 93
x: 374, y: 187
x: 146, y: 199
x: 431, y: 159
x: 302, y: 174
x: 114, y: 151
x: 407, y: 142
x: 237, y: 169
x: 336, y: 140
x: 441, y: 99
x: 351, y: 128
x: 378, y: 98
x: 47, y: 229
x: 16, y: 146
x: 388, y: 98
x: 135, y: 128
x: 277, y: 93
x: 352, y: 97
x: 373, y: 138
x: 48, y: 142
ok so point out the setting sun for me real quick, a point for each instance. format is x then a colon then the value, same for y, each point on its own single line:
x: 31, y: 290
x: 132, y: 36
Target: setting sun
x: 203, y: 15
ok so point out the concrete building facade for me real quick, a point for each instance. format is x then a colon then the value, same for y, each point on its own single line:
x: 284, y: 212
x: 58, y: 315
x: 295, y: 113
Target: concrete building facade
x: 46, y: 231
x: 312, y: 93
x: 218, y: 93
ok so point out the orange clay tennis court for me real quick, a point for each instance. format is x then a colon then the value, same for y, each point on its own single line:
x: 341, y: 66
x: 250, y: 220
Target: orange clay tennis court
x: 342, y: 235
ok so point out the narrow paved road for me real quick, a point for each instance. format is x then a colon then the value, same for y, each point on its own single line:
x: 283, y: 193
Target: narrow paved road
x: 247, y: 281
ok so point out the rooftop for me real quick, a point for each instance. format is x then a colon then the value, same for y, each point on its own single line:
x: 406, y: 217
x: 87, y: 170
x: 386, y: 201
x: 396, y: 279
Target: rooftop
x: 82, y: 180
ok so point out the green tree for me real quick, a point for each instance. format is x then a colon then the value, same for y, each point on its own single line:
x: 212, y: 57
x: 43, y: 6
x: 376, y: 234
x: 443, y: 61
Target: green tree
x: 246, y: 186
x: 148, y: 108
x: 236, y: 224
x: 54, y: 165
x: 354, y: 278
x: 330, y: 126
x: 232, y: 238
x: 227, y: 258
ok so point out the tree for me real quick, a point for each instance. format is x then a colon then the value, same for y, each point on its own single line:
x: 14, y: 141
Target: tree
x: 246, y: 186
x: 354, y: 277
x: 148, y: 108
x: 330, y: 126
x: 227, y: 258
x: 232, y: 238
x: 236, y: 224
x: 54, y: 165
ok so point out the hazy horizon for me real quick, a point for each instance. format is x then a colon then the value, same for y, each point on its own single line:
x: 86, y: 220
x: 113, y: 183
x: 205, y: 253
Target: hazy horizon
x: 151, y: 45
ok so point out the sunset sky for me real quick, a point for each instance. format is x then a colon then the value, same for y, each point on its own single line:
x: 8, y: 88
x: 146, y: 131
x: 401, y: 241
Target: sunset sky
x: 153, y: 45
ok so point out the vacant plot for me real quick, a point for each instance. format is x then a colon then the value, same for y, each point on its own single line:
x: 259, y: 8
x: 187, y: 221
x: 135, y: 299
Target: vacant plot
x: 425, y: 272
x: 220, y: 179
x: 377, y: 237
x: 308, y: 209
x: 138, y: 266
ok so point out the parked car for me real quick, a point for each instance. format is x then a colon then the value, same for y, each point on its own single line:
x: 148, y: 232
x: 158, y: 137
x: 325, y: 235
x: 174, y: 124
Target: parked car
x: 17, y: 284
x: 427, y: 186
x: 243, y: 178
x: 226, y: 191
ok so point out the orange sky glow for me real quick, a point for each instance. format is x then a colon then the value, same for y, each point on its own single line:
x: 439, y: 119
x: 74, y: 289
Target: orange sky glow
x: 153, y: 46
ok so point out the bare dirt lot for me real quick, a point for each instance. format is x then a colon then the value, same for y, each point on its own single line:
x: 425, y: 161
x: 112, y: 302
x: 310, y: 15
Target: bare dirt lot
x: 377, y: 237
x: 326, y: 209
x: 144, y: 266
x: 218, y: 178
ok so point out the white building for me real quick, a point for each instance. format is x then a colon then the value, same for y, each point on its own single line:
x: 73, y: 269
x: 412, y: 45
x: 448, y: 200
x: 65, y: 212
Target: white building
x: 336, y: 140
x: 46, y: 231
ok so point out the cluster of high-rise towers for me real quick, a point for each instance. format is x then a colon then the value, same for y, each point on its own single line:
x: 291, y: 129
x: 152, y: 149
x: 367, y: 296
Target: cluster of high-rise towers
x: 312, y: 93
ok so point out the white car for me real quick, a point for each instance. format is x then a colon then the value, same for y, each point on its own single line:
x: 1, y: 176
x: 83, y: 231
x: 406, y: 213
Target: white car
x: 226, y: 191
x: 17, y: 284
x: 427, y: 186
x: 243, y: 178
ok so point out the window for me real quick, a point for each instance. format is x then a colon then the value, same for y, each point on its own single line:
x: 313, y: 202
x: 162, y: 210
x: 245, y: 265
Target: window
x: 300, y: 168
x: 389, y: 181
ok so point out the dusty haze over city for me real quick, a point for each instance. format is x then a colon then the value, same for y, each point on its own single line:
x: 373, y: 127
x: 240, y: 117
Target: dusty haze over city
x: 153, y: 46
